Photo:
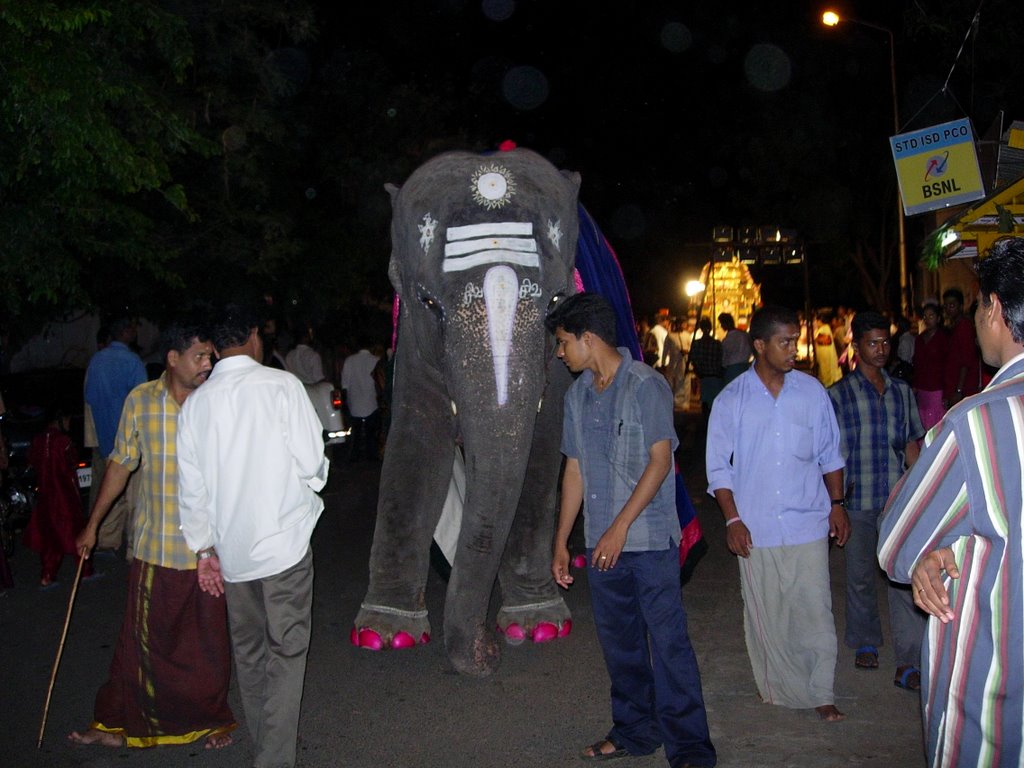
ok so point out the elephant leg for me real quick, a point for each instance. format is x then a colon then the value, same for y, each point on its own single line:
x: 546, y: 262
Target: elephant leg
x: 414, y: 481
x: 532, y: 606
x: 469, y: 640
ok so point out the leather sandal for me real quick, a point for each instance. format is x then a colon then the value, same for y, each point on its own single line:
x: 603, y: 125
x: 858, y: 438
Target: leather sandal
x: 597, y: 754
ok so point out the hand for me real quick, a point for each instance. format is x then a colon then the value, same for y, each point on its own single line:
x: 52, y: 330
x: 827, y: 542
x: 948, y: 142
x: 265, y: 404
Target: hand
x: 930, y: 593
x: 737, y: 538
x: 839, y: 525
x: 210, y: 580
x: 609, y: 547
x: 560, y: 566
x: 85, y: 541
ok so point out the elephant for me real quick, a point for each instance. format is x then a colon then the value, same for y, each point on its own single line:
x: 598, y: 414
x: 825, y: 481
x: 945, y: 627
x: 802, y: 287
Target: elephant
x: 482, y: 247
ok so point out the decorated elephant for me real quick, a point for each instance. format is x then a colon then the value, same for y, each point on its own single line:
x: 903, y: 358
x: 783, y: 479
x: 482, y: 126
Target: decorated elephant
x: 482, y: 245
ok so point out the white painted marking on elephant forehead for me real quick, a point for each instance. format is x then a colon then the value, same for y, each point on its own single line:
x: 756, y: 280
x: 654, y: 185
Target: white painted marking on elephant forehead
x: 554, y: 232
x: 427, y: 230
x: 490, y: 229
x: 501, y: 295
x: 462, y: 247
x: 462, y: 263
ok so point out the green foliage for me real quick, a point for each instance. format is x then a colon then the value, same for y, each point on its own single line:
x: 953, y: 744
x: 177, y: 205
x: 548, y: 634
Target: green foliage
x: 87, y: 143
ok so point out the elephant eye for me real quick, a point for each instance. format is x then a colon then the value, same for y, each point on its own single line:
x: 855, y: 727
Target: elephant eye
x: 557, y: 299
x: 430, y: 303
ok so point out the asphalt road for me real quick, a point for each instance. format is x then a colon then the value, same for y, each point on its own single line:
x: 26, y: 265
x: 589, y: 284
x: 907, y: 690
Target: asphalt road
x: 409, y: 708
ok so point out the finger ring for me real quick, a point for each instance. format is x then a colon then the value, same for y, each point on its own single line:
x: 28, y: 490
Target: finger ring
x: 920, y: 591
x: 604, y: 557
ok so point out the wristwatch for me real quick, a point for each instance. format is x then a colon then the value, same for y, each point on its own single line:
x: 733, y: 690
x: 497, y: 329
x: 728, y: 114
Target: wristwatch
x: 204, y: 554
x: 839, y: 503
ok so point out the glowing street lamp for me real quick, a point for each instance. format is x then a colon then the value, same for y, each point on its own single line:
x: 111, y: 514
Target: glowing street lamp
x: 693, y: 287
x: 831, y: 19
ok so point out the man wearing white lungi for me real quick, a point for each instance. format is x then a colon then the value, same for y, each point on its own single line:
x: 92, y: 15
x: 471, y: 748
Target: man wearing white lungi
x: 774, y: 466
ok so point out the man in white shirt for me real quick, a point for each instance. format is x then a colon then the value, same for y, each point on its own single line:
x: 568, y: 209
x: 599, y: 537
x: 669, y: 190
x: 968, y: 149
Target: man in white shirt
x: 361, y: 397
x: 250, y: 459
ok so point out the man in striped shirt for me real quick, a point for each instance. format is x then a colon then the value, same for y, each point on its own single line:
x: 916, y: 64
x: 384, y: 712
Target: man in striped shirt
x: 953, y: 529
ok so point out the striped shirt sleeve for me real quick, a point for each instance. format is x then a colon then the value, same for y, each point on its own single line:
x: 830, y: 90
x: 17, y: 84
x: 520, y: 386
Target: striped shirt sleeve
x: 928, y: 508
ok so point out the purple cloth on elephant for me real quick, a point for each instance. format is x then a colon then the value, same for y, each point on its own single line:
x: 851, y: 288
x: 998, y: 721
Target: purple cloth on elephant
x: 600, y: 272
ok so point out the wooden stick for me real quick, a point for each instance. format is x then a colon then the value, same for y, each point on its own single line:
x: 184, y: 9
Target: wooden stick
x: 60, y: 648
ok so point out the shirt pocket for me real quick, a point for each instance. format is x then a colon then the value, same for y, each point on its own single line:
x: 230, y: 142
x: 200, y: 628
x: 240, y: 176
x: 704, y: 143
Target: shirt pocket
x: 628, y: 450
x: 800, y: 441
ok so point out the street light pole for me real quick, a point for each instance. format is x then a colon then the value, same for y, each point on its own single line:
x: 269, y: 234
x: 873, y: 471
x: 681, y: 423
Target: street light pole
x: 831, y: 19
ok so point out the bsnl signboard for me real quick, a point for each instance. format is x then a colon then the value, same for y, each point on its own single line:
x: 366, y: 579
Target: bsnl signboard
x: 937, y: 167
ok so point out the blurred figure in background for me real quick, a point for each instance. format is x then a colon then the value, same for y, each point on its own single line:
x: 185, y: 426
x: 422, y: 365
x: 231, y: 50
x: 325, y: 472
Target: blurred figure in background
x: 113, y: 372
x: 826, y: 360
x: 930, y: 349
x: 962, y: 375
x: 57, y: 516
x: 360, y: 388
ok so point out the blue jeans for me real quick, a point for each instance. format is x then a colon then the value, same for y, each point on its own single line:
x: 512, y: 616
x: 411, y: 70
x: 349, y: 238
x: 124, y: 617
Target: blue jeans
x: 656, y: 692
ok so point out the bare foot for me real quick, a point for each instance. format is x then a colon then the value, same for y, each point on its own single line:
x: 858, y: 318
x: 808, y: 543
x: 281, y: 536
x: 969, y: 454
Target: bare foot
x: 219, y: 740
x: 92, y: 736
x: 829, y: 713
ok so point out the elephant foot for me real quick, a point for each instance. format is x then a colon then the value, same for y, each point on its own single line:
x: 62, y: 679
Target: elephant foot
x: 371, y: 640
x: 544, y: 632
x: 541, y: 622
x: 477, y: 655
x: 380, y: 627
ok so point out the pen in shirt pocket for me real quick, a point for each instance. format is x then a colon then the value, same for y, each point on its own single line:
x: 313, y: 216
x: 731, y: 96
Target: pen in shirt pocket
x: 620, y: 428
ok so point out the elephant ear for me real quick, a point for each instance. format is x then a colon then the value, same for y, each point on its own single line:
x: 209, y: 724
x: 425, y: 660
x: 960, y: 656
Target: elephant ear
x: 393, y: 273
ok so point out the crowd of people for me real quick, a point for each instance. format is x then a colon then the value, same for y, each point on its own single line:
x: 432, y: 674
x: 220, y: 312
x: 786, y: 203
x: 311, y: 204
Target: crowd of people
x: 907, y: 453
x: 177, y: 457
x: 910, y: 458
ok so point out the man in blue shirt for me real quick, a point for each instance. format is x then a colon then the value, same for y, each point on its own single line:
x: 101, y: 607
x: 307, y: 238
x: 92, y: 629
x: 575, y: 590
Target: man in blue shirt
x: 113, y: 372
x: 879, y: 427
x: 618, y: 438
x: 772, y: 439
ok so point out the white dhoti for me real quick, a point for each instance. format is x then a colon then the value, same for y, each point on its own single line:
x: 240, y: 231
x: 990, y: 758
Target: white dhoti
x: 788, y: 623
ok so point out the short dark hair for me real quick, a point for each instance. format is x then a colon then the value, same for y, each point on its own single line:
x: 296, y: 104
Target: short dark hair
x: 727, y: 321
x: 1002, y: 272
x: 953, y: 293
x: 119, y: 325
x: 182, y: 334
x: 705, y: 324
x: 233, y: 326
x: 868, y: 321
x: 584, y: 312
x: 934, y: 306
x: 766, y: 320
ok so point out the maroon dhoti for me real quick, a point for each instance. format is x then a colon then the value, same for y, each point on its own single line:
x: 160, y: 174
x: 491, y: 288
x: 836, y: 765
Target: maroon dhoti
x: 172, y: 665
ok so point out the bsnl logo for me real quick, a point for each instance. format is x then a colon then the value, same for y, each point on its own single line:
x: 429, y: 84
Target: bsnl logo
x: 934, y: 170
x: 938, y: 164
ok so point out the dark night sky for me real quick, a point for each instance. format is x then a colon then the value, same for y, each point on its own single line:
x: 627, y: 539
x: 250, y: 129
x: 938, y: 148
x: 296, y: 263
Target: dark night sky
x: 663, y: 107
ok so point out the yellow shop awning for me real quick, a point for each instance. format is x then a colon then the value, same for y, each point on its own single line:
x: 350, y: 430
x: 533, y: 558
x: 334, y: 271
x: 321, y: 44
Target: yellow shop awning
x: 973, y: 231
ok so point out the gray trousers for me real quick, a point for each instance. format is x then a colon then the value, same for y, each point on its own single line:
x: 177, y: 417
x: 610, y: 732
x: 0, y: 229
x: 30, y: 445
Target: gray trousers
x: 270, y: 626
x: 863, y: 625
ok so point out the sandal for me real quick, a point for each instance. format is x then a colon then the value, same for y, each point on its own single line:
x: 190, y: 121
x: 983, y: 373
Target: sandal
x: 597, y: 754
x: 866, y: 658
x: 908, y: 677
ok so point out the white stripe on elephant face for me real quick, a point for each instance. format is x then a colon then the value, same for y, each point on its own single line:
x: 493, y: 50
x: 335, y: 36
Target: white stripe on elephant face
x: 501, y: 295
x: 490, y: 229
x: 462, y: 247
x: 490, y: 257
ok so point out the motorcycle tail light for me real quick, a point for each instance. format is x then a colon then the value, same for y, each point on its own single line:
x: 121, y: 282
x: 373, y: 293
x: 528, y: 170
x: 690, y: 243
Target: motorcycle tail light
x: 336, y: 399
